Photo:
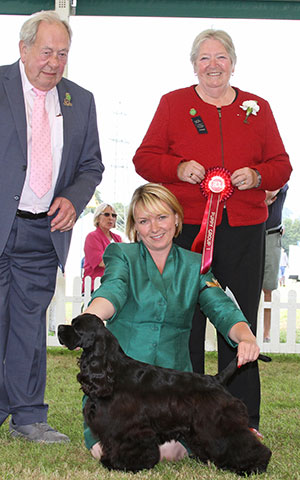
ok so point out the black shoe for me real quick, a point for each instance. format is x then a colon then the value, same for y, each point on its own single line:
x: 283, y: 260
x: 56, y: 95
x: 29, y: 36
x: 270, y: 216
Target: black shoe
x: 37, y: 432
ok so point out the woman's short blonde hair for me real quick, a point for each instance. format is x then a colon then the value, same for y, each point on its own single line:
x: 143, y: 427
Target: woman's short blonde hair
x: 219, y: 35
x: 151, y: 196
x: 100, y: 209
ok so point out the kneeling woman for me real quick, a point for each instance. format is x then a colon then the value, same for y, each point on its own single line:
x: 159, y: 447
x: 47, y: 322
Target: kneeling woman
x: 149, y: 292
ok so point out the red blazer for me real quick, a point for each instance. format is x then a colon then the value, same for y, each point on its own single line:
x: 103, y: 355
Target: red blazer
x: 222, y: 139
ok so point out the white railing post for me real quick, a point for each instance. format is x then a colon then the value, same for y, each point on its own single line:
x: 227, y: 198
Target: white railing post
x: 291, y: 321
x: 260, y: 321
x: 57, y: 309
x: 275, y: 323
x: 210, y: 337
x: 77, y: 299
x: 87, y: 291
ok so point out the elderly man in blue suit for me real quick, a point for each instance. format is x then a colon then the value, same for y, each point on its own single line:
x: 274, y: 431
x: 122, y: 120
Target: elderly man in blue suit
x: 36, y: 227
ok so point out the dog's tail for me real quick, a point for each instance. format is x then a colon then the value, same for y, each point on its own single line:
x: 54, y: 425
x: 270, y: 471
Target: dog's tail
x: 231, y: 368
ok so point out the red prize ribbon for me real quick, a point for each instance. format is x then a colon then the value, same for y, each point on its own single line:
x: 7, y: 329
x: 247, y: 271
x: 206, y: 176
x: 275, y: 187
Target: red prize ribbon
x: 216, y: 187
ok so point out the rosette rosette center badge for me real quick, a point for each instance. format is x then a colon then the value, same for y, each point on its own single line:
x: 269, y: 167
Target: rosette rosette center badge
x: 216, y: 187
x: 216, y: 184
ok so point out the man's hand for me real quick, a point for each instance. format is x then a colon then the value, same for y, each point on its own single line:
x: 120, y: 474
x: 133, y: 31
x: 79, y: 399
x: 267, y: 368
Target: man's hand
x: 271, y: 196
x: 65, y: 217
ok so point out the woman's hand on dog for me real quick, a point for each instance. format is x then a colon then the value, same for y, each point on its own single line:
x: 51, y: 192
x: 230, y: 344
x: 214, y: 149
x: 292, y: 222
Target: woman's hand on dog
x: 248, y: 350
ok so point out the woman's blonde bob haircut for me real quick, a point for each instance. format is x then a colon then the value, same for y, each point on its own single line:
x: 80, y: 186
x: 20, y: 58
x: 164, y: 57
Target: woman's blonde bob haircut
x: 219, y: 35
x: 150, y: 196
x: 100, y: 209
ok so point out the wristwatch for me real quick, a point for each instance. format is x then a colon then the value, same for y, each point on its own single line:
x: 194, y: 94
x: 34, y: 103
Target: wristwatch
x: 258, y: 178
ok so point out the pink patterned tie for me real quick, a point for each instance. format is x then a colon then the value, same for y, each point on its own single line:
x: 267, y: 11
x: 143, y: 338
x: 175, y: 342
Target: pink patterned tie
x: 40, y: 180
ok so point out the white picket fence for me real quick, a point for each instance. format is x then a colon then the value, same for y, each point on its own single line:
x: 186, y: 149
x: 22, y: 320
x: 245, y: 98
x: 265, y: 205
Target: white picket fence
x: 65, y: 307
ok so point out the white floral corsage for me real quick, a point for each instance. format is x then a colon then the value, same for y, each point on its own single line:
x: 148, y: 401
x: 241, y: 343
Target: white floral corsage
x: 251, y: 107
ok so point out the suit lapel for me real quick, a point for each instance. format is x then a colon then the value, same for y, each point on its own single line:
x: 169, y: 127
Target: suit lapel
x: 68, y: 119
x: 14, y: 91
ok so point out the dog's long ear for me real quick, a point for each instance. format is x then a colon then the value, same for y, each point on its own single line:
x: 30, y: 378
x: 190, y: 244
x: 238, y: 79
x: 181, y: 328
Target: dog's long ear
x: 97, y: 364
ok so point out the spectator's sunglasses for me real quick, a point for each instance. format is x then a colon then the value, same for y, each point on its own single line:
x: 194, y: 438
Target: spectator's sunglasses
x: 106, y: 214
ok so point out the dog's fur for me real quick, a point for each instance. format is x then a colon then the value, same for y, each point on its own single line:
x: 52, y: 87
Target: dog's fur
x: 133, y: 407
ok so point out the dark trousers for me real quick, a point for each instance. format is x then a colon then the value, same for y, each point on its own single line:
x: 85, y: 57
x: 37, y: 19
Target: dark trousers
x: 238, y: 264
x: 28, y: 269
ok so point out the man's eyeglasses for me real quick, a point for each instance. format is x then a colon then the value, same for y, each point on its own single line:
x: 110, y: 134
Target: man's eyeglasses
x: 106, y: 214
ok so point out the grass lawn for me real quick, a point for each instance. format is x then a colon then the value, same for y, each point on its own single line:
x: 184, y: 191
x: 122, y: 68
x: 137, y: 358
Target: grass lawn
x: 280, y: 424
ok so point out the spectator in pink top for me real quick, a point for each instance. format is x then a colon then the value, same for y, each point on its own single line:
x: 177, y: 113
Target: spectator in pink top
x: 96, y: 242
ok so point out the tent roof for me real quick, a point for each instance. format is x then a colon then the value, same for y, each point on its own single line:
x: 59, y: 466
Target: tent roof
x: 275, y: 9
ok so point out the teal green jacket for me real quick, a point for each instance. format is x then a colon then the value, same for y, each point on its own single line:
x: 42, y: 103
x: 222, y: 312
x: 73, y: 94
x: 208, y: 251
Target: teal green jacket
x: 154, y: 311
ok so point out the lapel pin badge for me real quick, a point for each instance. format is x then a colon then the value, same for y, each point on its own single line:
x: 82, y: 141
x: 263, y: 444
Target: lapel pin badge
x: 67, y: 100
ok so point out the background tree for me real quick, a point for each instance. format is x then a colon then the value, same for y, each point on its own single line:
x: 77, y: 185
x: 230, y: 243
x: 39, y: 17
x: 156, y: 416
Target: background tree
x: 121, y: 210
x: 93, y: 203
x: 291, y: 234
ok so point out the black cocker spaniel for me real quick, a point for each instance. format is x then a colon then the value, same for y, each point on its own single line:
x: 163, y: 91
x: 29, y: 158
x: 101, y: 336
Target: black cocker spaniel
x: 133, y: 407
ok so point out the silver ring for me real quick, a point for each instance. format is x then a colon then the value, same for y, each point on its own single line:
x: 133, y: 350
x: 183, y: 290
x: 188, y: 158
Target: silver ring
x: 242, y: 182
x: 191, y: 174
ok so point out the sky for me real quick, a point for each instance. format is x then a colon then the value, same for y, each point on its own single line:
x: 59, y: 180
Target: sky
x: 130, y: 62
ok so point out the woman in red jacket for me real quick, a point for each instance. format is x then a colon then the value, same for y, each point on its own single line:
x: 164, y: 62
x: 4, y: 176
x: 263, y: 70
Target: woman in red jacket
x: 96, y: 242
x: 213, y: 124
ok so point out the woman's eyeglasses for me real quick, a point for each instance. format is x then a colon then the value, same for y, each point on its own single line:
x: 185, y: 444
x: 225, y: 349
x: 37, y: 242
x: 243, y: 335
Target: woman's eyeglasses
x: 106, y: 214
